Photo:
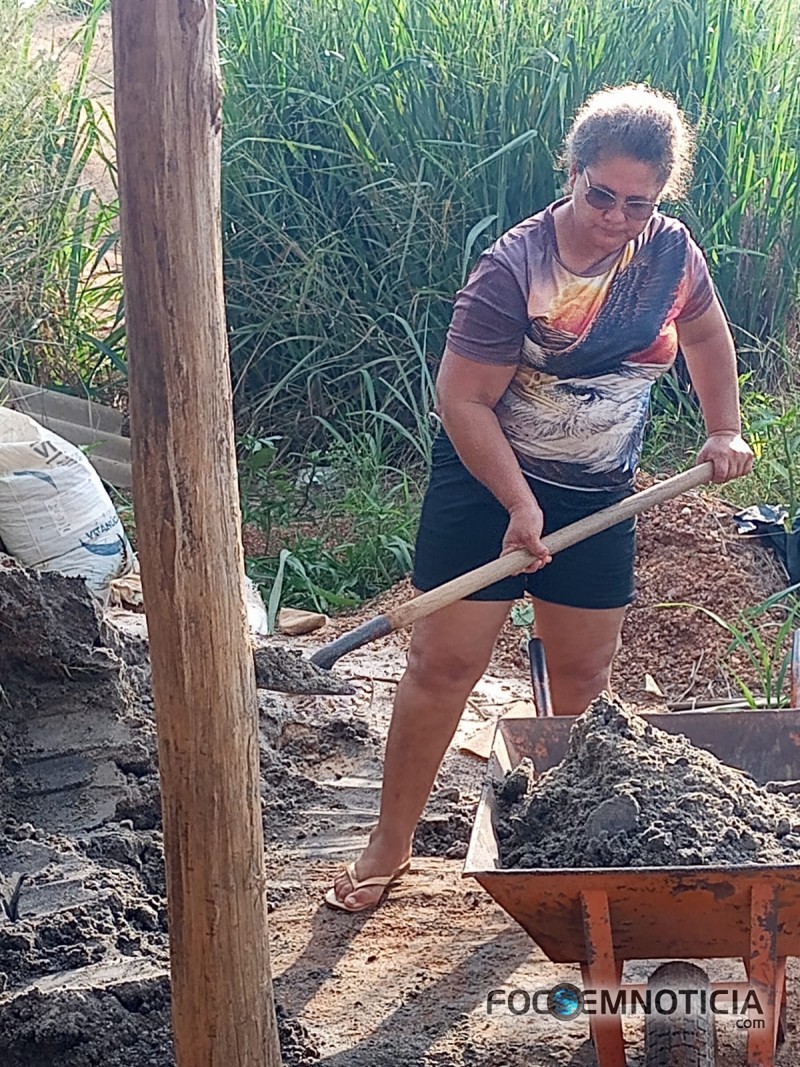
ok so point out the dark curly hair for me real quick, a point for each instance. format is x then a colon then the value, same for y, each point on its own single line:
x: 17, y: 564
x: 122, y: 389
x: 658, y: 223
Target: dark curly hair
x: 640, y: 123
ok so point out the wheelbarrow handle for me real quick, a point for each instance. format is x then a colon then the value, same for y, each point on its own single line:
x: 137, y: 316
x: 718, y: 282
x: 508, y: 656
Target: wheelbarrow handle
x: 442, y: 596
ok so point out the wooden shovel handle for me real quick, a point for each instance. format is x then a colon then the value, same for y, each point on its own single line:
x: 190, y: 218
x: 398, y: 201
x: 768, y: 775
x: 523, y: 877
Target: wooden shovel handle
x: 512, y: 563
x: 427, y: 603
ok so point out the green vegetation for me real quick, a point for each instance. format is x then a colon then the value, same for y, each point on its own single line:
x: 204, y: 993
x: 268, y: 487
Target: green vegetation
x: 762, y: 638
x: 372, y: 148
x: 78, y: 8
x: 773, y: 429
x: 343, y: 526
x: 60, y: 297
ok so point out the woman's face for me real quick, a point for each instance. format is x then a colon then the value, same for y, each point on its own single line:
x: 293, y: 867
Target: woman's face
x: 627, y: 180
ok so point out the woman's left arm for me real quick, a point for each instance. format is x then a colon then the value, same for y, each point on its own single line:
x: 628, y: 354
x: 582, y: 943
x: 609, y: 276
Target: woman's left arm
x: 708, y: 349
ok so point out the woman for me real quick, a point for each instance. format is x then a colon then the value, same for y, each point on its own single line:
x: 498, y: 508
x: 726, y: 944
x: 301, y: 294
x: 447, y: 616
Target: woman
x: 555, y: 341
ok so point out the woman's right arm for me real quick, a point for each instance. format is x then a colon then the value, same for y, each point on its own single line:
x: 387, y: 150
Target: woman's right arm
x: 466, y: 395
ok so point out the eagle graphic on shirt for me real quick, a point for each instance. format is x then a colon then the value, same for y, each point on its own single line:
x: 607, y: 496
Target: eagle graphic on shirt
x: 575, y: 410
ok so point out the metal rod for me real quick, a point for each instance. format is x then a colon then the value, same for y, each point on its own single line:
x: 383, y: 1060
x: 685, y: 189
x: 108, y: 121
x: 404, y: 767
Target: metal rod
x: 539, y: 679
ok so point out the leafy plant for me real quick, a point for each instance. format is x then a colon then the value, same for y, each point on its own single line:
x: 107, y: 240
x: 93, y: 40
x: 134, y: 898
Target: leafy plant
x: 298, y: 580
x: 763, y: 635
x: 675, y: 430
x: 363, y: 515
x: 374, y: 148
x: 773, y: 430
x: 310, y: 575
x: 60, y: 288
x: 267, y: 487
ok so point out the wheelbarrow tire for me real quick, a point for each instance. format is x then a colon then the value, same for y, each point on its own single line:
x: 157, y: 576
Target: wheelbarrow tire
x: 681, y: 1038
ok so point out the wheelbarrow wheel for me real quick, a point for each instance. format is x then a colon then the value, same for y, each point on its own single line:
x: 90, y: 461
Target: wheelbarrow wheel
x: 682, y: 1035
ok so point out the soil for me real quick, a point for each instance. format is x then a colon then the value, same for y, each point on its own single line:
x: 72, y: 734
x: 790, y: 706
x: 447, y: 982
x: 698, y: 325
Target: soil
x: 84, y: 973
x: 688, y: 554
x: 83, y: 919
x: 630, y: 795
x: 285, y: 670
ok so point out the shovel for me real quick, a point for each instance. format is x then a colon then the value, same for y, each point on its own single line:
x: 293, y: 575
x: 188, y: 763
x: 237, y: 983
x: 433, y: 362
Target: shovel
x: 427, y: 603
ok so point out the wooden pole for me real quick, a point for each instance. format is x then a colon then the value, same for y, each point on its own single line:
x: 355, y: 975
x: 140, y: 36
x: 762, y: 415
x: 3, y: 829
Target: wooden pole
x: 168, y: 117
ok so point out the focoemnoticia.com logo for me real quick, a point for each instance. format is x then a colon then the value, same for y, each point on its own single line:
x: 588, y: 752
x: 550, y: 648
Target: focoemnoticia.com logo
x: 565, y: 1002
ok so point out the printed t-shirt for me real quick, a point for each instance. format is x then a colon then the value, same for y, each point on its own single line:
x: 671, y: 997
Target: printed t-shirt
x: 587, y: 347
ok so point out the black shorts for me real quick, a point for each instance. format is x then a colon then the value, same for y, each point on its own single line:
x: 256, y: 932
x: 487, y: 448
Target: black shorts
x: 462, y: 526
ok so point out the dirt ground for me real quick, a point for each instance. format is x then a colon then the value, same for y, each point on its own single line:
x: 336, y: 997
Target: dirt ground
x: 83, y: 923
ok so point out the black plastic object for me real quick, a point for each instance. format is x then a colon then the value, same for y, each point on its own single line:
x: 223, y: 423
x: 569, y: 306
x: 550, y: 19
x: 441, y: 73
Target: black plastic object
x: 768, y: 523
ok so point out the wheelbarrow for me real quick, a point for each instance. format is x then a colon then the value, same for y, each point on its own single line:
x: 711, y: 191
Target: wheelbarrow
x: 600, y: 918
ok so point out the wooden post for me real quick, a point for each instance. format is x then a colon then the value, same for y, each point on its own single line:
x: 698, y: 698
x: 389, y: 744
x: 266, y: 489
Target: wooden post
x: 168, y: 117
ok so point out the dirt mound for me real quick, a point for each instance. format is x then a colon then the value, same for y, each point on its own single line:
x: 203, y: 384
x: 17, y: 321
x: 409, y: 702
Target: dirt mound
x: 84, y: 952
x: 121, y: 1024
x: 688, y: 551
x: 630, y: 795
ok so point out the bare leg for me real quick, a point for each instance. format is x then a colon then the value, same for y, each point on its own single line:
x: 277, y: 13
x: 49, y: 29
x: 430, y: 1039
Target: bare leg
x: 449, y: 652
x: 579, y: 646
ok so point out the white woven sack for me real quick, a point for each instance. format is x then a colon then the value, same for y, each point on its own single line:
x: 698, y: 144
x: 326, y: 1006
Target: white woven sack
x: 55, y: 513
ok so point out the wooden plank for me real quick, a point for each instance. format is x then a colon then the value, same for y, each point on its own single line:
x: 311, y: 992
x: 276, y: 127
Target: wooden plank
x: 296, y: 622
x: 82, y: 422
x: 44, y: 403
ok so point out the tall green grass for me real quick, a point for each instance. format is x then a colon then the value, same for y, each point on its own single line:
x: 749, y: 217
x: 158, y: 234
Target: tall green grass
x: 60, y: 288
x: 374, y: 147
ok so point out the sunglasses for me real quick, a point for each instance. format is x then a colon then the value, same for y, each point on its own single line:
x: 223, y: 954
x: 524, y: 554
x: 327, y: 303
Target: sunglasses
x: 603, y: 200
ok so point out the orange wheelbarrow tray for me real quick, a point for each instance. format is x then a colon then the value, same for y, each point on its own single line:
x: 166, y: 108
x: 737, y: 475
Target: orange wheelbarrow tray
x: 601, y: 917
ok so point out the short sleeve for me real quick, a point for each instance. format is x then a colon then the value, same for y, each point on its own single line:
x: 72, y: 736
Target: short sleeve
x: 490, y: 315
x: 697, y: 284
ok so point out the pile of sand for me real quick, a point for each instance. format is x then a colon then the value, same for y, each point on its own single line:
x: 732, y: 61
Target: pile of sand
x: 630, y: 795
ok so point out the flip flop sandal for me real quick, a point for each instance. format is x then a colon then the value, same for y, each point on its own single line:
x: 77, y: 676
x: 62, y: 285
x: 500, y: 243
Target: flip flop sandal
x: 333, y: 901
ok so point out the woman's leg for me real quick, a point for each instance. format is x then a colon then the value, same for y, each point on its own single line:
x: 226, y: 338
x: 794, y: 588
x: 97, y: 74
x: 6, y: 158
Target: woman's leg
x: 449, y: 652
x: 579, y: 646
